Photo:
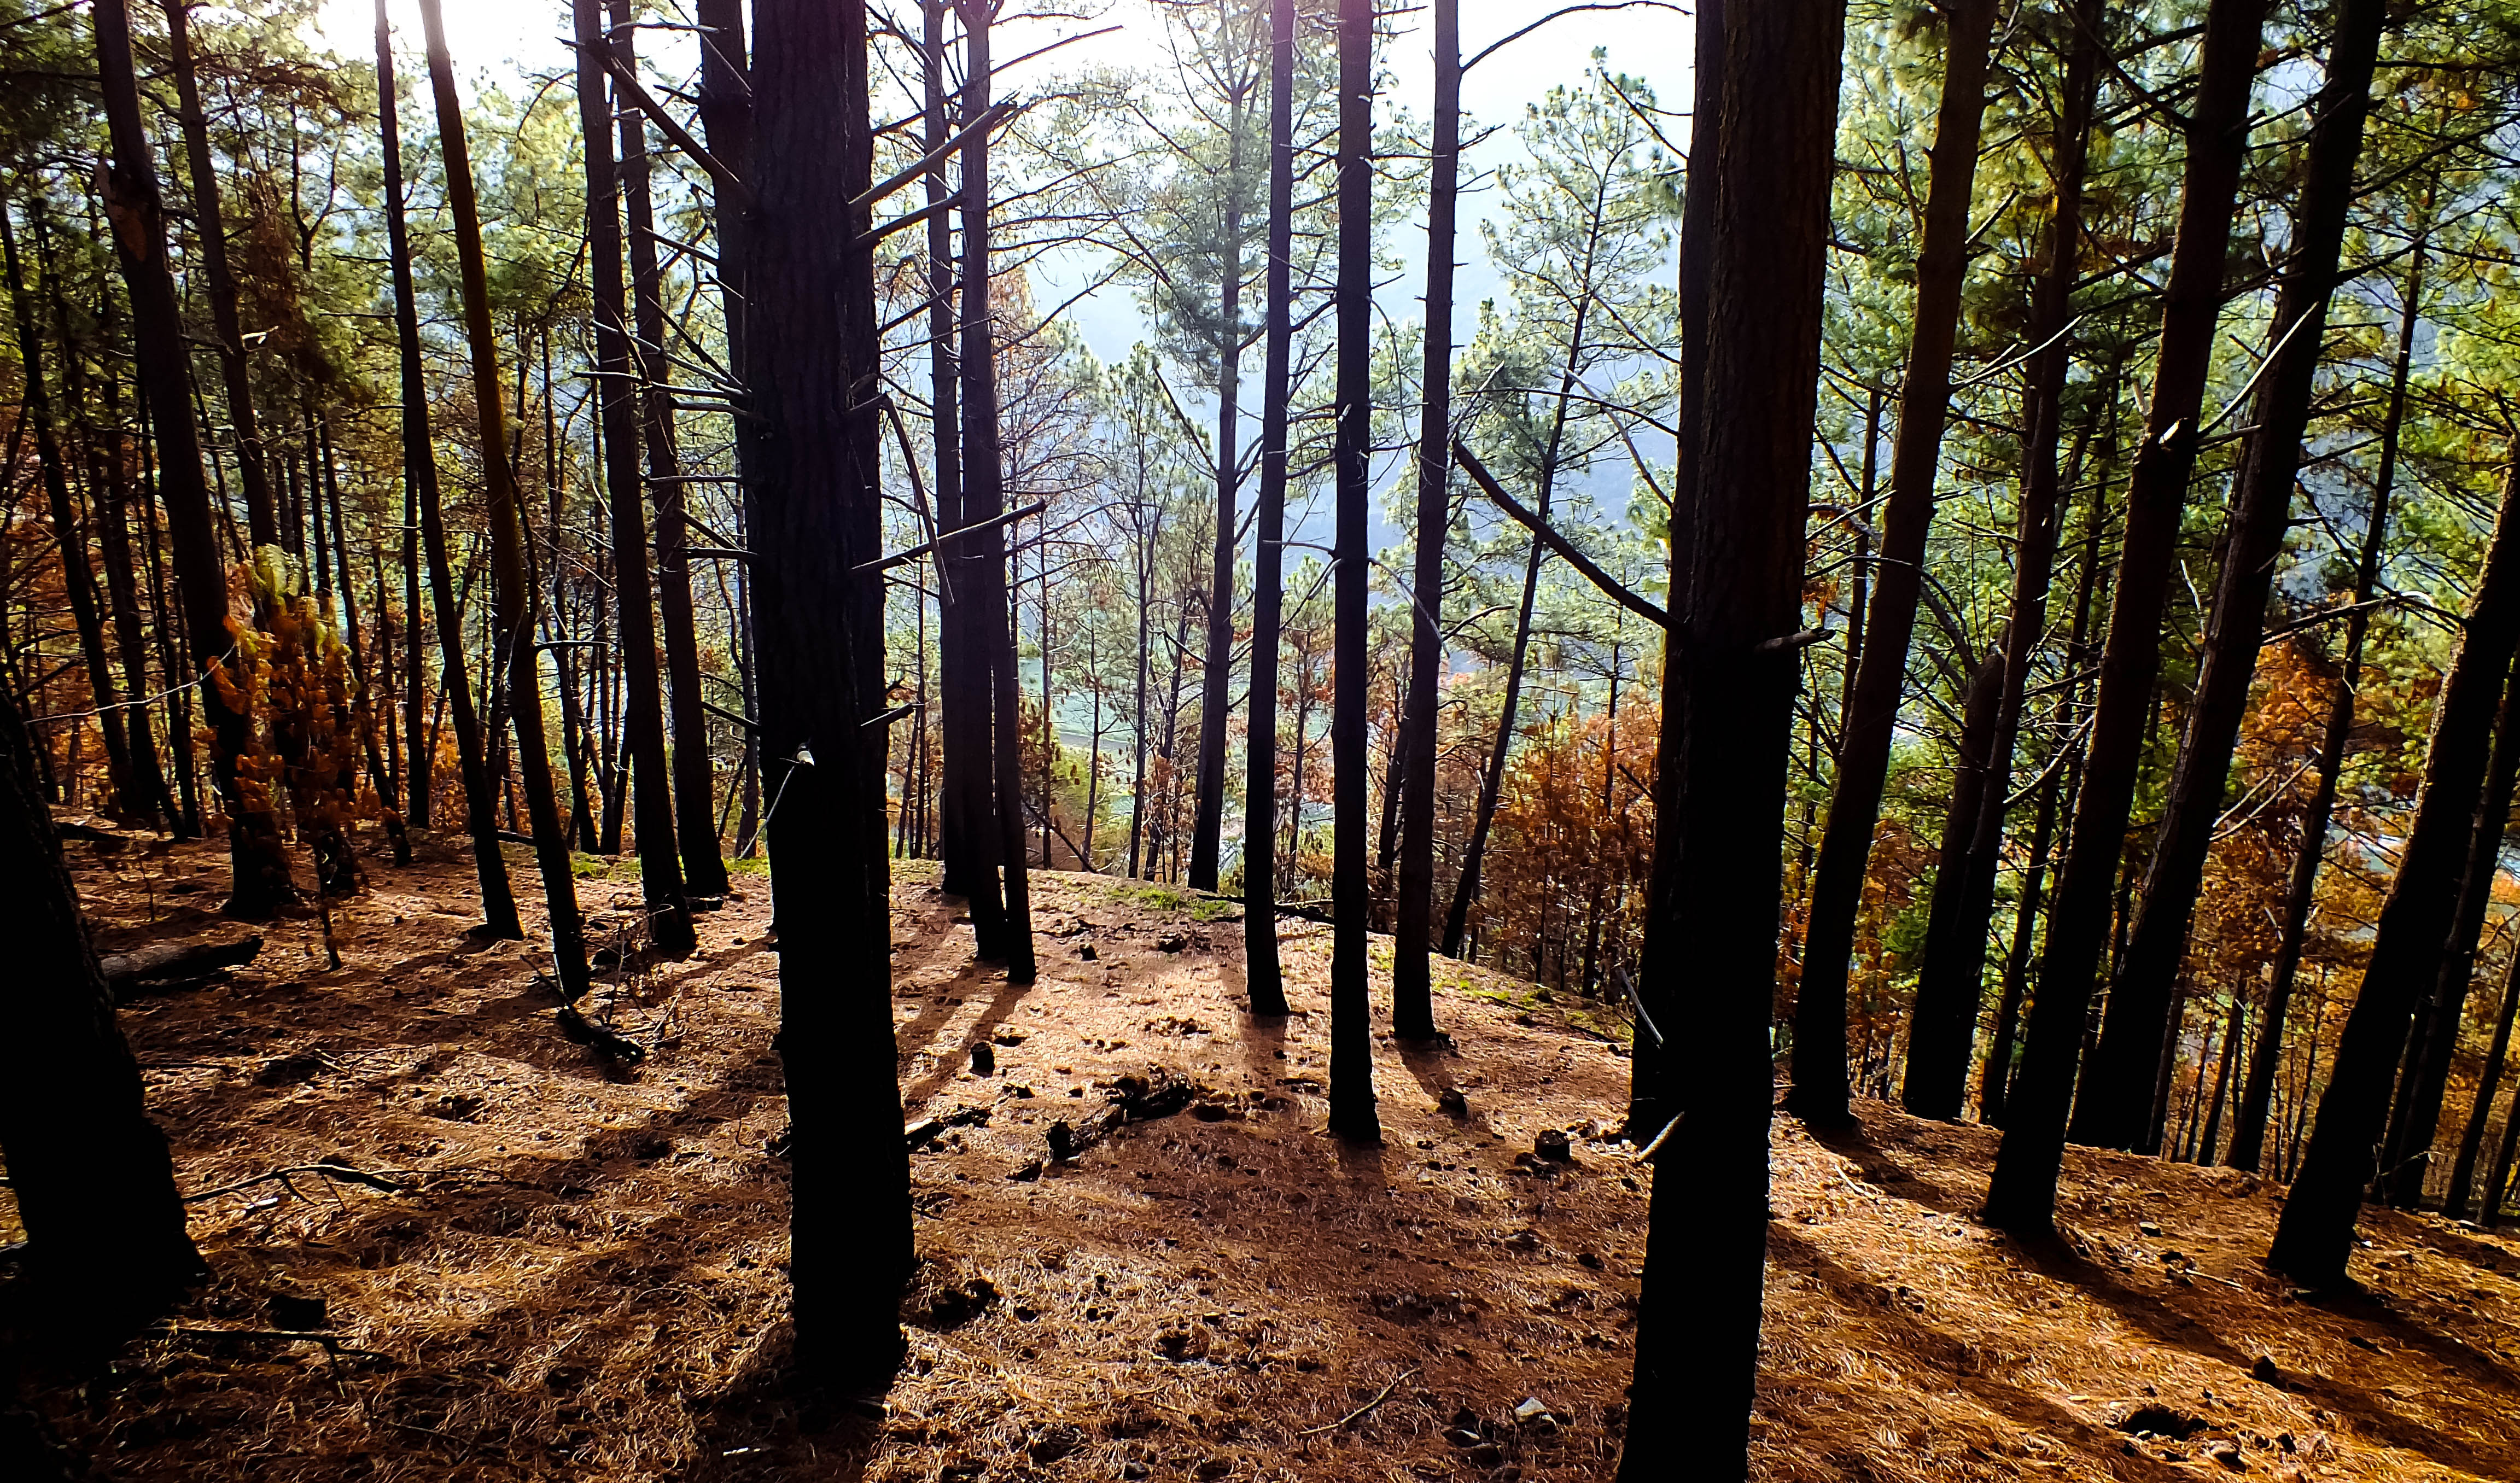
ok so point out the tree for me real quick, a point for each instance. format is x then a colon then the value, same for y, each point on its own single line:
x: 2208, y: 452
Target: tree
x: 1352, y: 1110
x: 1951, y: 986
x: 1412, y: 1012
x: 513, y: 612
x: 260, y: 878
x: 617, y: 392
x: 2022, y: 1194
x: 982, y: 582
x: 2118, y: 1105
x: 107, y: 1249
x: 1261, y: 971
x: 2315, y: 1234
x: 695, y: 829
x: 1719, y: 848
x: 819, y: 626
x: 1581, y: 238
x: 1925, y: 401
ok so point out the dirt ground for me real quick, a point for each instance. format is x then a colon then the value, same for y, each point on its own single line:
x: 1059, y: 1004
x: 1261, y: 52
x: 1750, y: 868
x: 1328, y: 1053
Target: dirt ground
x: 577, y: 1273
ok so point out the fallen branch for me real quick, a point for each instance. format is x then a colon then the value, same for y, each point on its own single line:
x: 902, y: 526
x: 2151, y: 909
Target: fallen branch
x: 336, y: 1172
x: 167, y: 963
x: 1312, y: 1432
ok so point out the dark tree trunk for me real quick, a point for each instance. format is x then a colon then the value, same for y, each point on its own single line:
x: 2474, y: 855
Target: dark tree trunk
x: 967, y: 819
x: 1216, y: 669
x: 2022, y: 1194
x: 420, y: 474
x: 1719, y: 855
x: 1260, y: 971
x: 2231, y: 1035
x: 2316, y: 1232
x: 1651, y: 1100
x: 2471, y: 1143
x: 107, y: 1250
x: 513, y: 610
x: 818, y: 624
x: 694, y: 783
x: 1352, y: 1105
x: 362, y: 715
x: 2414, y: 1115
x: 617, y: 381
x: 2115, y: 1110
x: 1951, y: 984
x: 982, y: 582
x: 69, y: 538
x: 261, y: 882
x: 210, y: 237
x: 1819, y: 1090
x: 1937, y: 1078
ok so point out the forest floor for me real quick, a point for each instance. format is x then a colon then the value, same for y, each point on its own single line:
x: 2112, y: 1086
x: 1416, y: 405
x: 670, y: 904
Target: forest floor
x: 578, y: 1272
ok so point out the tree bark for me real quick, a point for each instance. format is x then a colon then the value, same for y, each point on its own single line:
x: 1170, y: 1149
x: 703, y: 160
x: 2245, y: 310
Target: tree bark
x: 1820, y: 1090
x: 1216, y: 671
x: 1720, y: 856
x: 420, y: 474
x: 2117, y: 1101
x: 1951, y: 983
x: 818, y: 624
x: 1351, y: 1103
x: 2316, y: 1232
x: 512, y: 607
x: 107, y: 1249
x: 617, y: 366
x: 261, y: 882
x: 695, y: 782
x: 1936, y: 1078
x: 1262, y: 973
x: 2021, y: 1196
x: 983, y: 581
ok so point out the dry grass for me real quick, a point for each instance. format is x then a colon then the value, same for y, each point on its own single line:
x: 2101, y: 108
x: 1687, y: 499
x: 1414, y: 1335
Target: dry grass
x: 581, y: 1278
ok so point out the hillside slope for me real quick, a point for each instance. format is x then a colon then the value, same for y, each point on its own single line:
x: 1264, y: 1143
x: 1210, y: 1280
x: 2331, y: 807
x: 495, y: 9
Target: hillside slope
x: 578, y: 1275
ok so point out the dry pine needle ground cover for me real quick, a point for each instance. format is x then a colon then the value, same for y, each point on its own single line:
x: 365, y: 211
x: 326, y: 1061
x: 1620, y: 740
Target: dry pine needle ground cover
x: 578, y: 1276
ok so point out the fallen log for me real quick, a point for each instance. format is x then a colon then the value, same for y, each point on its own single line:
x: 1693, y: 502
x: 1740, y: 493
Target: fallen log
x: 164, y: 966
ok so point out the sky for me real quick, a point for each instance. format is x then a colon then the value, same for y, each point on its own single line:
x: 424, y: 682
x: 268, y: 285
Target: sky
x: 504, y: 40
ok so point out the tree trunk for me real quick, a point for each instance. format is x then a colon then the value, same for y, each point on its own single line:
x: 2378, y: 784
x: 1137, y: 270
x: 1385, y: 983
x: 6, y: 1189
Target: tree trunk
x: 513, y: 610
x: 1937, y: 1078
x: 107, y: 1250
x: 69, y: 539
x: 1820, y: 1090
x: 967, y: 820
x: 1719, y: 855
x: 1262, y: 973
x: 122, y: 585
x: 2022, y: 1194
x: 2316, y: 1232
x: 2231, y: 1036
x: 211, y: 239
x: 817, y: 509
x: 2414, y: 1115
x: 983, y: 581
x: 2118, y: 1091
x: 1950, y: 988
x: 695, y: 782
x: 1216, y: 673
x: 617, y: 385
x: 261, y: 882
x: 1352, y: 1105
x: 1651, y: 1100
x: 2256, y: 1093
x: 420, y: 474
x: 2471, y: 1143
